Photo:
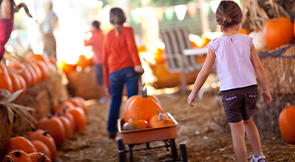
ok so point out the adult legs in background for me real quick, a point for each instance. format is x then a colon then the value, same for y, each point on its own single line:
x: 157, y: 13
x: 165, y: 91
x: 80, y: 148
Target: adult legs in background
x: 238, y: 136
x: 253, y: 136
x: 116, y: 87
x: 99, y: 80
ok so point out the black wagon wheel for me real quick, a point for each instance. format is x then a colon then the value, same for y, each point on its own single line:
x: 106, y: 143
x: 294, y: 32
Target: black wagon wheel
x: 183, y: 152
x: 121, y: 148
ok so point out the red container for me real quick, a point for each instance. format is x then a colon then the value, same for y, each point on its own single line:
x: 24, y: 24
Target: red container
x: 149, y: 134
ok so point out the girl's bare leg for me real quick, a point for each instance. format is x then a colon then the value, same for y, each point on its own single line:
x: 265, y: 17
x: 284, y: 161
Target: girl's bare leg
x: 253, y: 136
x: 238, y: 136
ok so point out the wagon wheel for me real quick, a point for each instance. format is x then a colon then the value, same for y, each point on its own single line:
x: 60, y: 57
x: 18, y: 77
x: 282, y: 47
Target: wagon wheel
x: 183, y: 153
x: 121, y: 148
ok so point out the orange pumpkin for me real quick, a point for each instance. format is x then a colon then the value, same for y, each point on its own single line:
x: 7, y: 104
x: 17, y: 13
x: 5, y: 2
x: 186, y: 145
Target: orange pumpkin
x: 79, y: 117
x: 33, y: 73
x: 41, y: 147
x: 245, y: 31
x: 287, y: 124
x: 67, y: 68
x: 19, y: 143
x: 37, y: 70
x: 135, y: 125
x: 17, y: 155
x: 55, y: 127
x: 44, y: 58
x: 67, y: 125
x: 83, y: 102
x: 159, y: 56
x: 23, y: 71
x: 83, y: 61
x: 16, y: 84
x: 44, y: 137
x: 155, y: 118
x: 62, y: 105
x: 5, y: 81
x: 39, y: 157
x: 161, y: 122
x: 141, y: 107
x: 278, y: 32
x: 23, y: 83
x: 43, y: 68
x: 205, y: 40
x: 79, y: 103
x: 69, y: 116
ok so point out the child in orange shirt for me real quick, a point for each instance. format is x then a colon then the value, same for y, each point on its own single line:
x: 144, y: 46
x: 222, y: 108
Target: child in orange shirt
x: 121, y: 65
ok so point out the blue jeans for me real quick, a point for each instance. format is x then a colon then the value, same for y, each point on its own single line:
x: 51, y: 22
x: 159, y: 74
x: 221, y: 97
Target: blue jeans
x: 117, y: 80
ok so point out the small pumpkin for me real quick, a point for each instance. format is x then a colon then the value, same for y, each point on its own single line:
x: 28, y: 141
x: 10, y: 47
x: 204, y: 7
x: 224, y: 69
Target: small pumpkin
x: 245, y: 31
x: 16, y: 84
x: 69, y: 116
x: 135, y: 125
x: 19, y: 143
x: 67, y: 125
x: 278, y: 32
x: 44, y: 58
x: 141, y: 107
x: 23, y: 71
x: 79, y: 117
x: 83, y: 61
x: 33, y: 73
x: 39, y: 157
x: 18, y: 156
x: 287, y: 124
x: 155, y: 118
x: 23, y: 83
x: 36, y: 69
x: 55, y: 127
x: 67, y: 68
x: 41, y: 148
x: 161, y: 122
x: 78, y: 102
x: 43, y: 68
x: 5, y: 81
x: 258, y: 39
x: 61, y: 105
x: 44, y: 137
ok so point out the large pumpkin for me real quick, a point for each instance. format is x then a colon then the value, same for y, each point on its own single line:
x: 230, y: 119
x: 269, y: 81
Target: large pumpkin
x: 278, y: 32
x: 287, y: 124
x: 5, y: 81
x: 55, y: 127
x: 141, y: 107
x: 44, y: 137
x: 19, y: 143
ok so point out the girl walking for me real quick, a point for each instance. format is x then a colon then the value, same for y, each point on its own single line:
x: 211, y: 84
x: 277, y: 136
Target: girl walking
x: 121, y: 65
x: 236, y: 61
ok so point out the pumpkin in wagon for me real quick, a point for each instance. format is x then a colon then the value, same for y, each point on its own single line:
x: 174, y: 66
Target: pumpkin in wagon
x: 160, y: 121
x: 135, y: 125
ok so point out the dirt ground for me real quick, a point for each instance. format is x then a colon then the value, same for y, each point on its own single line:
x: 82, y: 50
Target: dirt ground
x: 202, y: 128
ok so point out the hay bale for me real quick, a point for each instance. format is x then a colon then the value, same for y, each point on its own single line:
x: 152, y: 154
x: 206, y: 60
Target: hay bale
x: 280, y: 72
x: 82, y: 83
x: 165, y: 79
x: 266, y: 118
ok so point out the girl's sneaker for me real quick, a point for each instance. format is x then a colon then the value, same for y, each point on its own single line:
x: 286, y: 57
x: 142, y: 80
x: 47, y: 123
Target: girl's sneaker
x: 260, y: 158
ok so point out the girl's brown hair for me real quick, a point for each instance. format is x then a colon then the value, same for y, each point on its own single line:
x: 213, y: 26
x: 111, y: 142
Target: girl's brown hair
x: 117, y: 18
x: 228, y: 14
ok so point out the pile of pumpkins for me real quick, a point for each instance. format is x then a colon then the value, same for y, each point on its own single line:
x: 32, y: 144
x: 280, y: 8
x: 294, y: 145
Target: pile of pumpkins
x: 40, y: 145
x: 26, y: 72
x: 82, y: 62
x: 144, y: 111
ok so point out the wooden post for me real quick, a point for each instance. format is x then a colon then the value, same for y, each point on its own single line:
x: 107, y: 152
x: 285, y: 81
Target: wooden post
x: 204, y: 17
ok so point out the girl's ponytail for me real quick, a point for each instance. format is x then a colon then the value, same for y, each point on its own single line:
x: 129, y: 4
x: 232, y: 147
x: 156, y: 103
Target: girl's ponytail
x: 117, y: 29
x: 117, y: 18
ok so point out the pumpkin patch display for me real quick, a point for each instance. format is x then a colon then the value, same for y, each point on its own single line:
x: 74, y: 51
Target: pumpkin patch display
x: 278, y: 32
x: 141, y: 107
x: 55, y: 127
x: 44, y: 137
x: 19, y: 143
x: 17, y: 155
x: 161, y: 121
x: 41, y: 148
x: 39, y: 157
x: 135, y: 125
x: 287, y: 124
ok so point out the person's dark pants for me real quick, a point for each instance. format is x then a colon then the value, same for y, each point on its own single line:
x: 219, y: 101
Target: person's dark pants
x: 117, y: 80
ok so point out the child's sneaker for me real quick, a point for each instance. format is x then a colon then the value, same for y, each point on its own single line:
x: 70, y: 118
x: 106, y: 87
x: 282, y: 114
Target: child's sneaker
x: 260, y: 158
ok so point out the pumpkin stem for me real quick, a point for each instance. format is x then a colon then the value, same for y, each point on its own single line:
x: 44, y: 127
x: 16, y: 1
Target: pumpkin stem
x: 58, y: 114
x: 144, y: 93
x: 158, y: 112
x: 141, y: 89
x: 17, y: 153
x: 49, y: 116
x: 42, y: 157
x: 160, y: 116
x: 130, y: 120
x: 45, y: 132
x: 59, y: 101
x: 8, y: 158
x: 64, y: 110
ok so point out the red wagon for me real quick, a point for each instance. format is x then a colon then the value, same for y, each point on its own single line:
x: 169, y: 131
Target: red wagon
x: 135, y: 137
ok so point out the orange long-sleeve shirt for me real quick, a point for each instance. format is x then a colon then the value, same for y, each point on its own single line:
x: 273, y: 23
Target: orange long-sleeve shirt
x: 119, y: 52
x: 96, y: 41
